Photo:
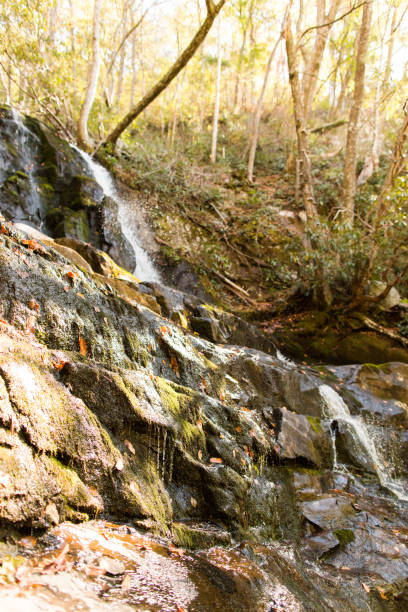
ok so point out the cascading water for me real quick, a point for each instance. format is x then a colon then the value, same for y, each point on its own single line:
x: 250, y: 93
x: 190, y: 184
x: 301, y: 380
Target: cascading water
x: 335, y: 409
x: 27, y: 147
x: 145, y: 269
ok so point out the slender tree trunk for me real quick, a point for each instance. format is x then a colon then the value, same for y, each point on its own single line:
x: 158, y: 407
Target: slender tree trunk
x: 90, y: 92
x: 73, y: 54
x: 349, y: 180
x: 394, y: 170
x: 179, y: 64
x: 313, y: 66
x: 301, y: 129
x: 214, y: 139
x: 133, y: 61
x: 239, y: 67
x: 257, y: 117
x: 5, y: 87
x: 381, y: 89
x: 119, y: 85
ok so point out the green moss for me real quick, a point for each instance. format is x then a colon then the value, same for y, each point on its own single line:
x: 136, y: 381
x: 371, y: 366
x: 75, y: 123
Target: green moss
x: 344, y: 536
x: 315, y: 423
x: 143, y: 357
x: 169, y: 398
x: 194, y: 538
x: 192, y: 435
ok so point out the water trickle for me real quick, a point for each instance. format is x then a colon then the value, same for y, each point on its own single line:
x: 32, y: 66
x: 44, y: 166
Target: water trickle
x: 144, y: 270
x: 335, y: 409
x: 158, y: 450
x: 164, y: 452
x: 171, y: 460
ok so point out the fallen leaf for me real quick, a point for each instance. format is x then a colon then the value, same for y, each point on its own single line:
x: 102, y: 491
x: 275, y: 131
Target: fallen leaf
x: 4, y: 230
x: 30, y: 324
x: 4, y: 480
x: 200, y: 454
x: 126, y: 583
x: 52, y: 513
x: 119, y: 465
x: 28, y: 542
x: 193, y: 502
x: 366, y: 587
x: 82, y: 346
x: 34, y: 306
x: 215, y: 460
x: 382, y: 593
x: 94, y: 572
x: 176, y: 551
x: 130, y: 446
x: 70, y: 274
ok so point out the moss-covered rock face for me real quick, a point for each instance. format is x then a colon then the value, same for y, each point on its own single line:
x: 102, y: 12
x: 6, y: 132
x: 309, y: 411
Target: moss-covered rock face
x: 108, y: 409
x: 46, y: 183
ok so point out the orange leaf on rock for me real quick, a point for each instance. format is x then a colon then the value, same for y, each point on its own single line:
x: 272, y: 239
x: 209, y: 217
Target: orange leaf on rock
x: 176, y: 551
x: 215, y: 460
x: 58, y: 365
x: 34, y: 306
x: 82, y: 346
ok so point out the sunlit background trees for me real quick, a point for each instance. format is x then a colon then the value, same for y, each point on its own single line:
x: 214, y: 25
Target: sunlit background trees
x: 311, y: 91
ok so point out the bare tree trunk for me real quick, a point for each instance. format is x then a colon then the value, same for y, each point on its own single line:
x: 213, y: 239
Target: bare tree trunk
x: 313, y: 66
x: 90, y: 93
x: 381, y: 89
x: 349, y: 180
x: 122, y: 59
x: 214, y: 139
x: 179, y: 64
x: 239, y: 67
x: 133, y: 61
x: 397, y: 164
x: 5, y: 87
x: 73, y: 53
x: 257, y: 117
x: 300, y: 124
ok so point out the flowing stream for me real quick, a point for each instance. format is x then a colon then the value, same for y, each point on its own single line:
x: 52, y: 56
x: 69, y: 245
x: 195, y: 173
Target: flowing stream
x: 335, y: 409
x: 145, y: 269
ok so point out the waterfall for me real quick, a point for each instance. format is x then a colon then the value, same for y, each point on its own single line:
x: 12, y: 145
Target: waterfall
x: 145, y: 269
x: 26, y: 139
x: 335, y: 409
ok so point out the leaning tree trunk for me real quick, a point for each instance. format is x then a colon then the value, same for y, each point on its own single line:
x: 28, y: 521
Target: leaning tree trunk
x: 90, y: 92
x: 179, y: 64
x: 349, y: 180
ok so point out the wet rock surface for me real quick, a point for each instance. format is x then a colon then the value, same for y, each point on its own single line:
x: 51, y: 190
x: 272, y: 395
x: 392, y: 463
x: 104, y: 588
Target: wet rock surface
x: 110, y: 409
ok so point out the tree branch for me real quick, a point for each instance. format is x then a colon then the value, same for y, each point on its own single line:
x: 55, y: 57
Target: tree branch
x: 329, y: 23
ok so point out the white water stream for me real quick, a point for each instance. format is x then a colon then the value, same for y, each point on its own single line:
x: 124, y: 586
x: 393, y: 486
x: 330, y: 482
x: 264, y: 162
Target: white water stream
x: 145, y: 269
x: 335, y: 409
x: 27, y: 152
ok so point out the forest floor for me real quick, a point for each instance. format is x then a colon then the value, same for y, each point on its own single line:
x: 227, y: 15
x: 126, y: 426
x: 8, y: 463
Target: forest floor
x: 245, y: 240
